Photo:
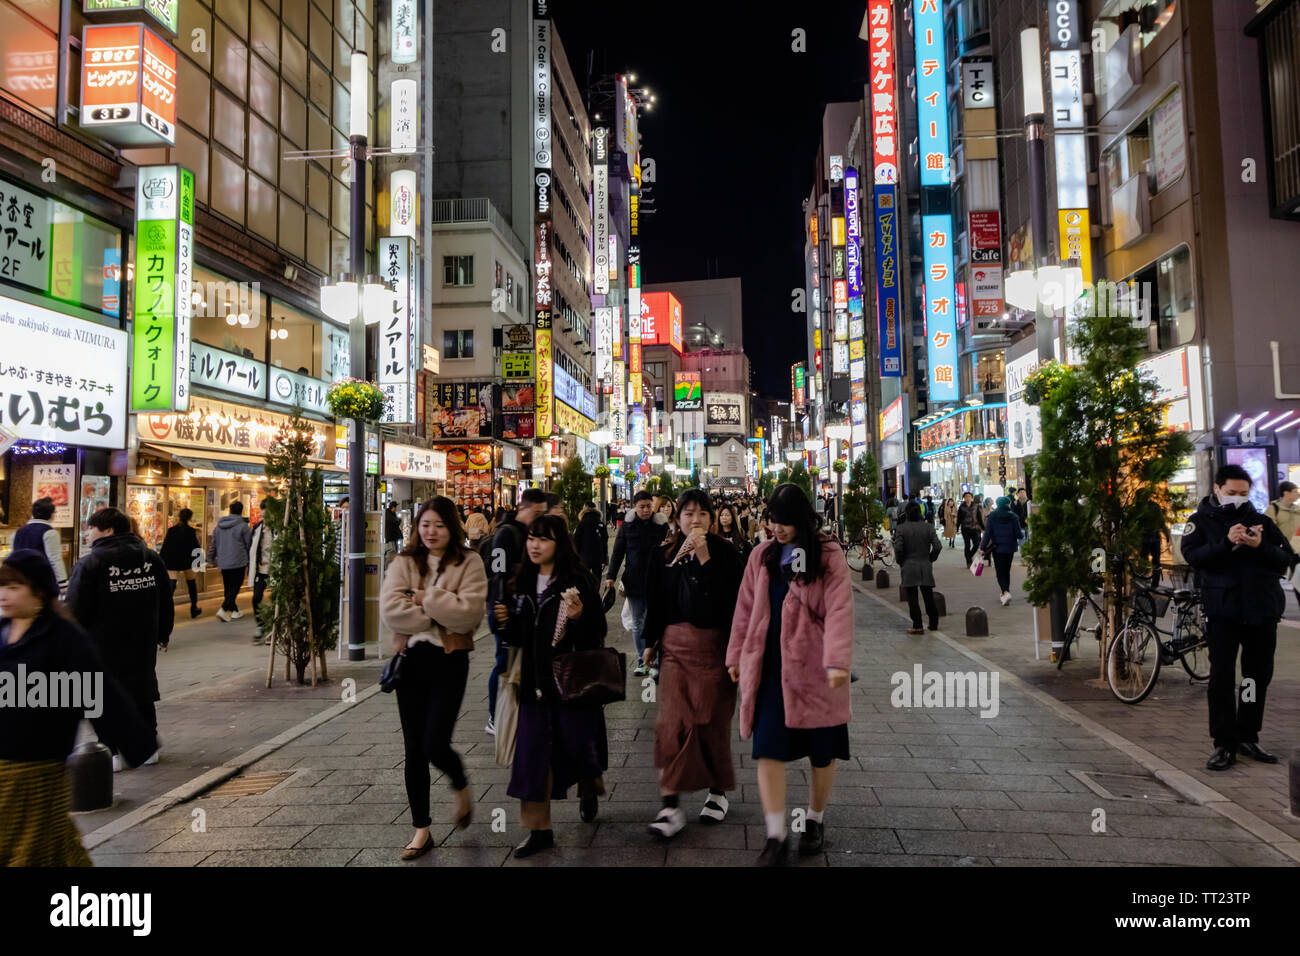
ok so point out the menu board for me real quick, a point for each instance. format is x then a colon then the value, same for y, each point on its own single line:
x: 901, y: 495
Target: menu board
x: 94, y: 495
x: 469, y: 474
x: 517, y: 410
x: 459, y: 410
x: 144, y: 505
x: 56, y: 482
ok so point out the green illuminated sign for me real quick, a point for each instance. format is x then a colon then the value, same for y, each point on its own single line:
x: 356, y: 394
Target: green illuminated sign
x: 166, y: 12
x: 164, y: 264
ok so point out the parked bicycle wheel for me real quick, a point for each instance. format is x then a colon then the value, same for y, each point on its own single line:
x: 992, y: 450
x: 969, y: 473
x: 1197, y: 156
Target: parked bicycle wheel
x: 1195, y: 649
x: 1083, y: 619
x: 856, y: 555
x: 1133, y: 662
x: 886, y: 553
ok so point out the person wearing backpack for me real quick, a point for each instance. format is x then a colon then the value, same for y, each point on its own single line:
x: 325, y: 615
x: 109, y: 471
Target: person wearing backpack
x: 1002, y: 536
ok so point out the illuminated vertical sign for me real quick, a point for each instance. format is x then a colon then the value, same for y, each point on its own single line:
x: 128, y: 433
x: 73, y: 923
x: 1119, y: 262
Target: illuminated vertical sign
x: 604, y: 343
x: 931, y: 94
x: 164, y: 272
x: 940, y: 306
x: 396, y: 371
x: 853, y: 235
x: 403, y: 110
x: 880, y: 41
x: 401, y: 187
x: 541, y: 105
x: 888, y: 318
x: 404, y: 30
x: 165, y: 12
x: 128, y: 85
x: 600, y: 213
x: 542, y: 301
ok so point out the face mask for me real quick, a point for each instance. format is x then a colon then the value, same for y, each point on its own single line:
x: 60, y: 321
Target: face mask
x: 1231, y: 501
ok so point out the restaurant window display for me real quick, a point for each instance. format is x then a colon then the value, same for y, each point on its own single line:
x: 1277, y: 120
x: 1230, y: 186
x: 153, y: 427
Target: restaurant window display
x: 469, y: 475
x: 228, y: 315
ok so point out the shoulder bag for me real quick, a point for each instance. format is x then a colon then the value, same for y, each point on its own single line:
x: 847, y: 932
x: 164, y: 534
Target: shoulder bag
x: 391, y: 675
x: 597, y: 676
x: 506, y: 718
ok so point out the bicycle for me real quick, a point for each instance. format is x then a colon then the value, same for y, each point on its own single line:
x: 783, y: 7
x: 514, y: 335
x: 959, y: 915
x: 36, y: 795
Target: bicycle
x: 1085, y: 616
x: 1137, y: 652
x: 859, y: 553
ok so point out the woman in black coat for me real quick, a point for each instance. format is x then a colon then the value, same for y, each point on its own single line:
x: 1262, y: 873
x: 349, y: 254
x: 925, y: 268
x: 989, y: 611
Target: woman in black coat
x: 37, y: 636
x: 727, y: 526
x: 178, y: 554
x: 557, y: 745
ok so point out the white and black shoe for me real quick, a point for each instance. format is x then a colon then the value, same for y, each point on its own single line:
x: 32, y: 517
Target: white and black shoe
x: 669, y: 823
x: 715, y: 809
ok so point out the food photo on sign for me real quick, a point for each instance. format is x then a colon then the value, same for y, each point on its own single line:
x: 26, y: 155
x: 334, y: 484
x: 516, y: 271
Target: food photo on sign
x: 469, y: 474
x: 518, y: 407
x: 459, y: 410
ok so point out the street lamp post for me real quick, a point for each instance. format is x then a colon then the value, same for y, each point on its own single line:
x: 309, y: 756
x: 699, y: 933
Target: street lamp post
x: 1031, y: 69
x: 359, y: 129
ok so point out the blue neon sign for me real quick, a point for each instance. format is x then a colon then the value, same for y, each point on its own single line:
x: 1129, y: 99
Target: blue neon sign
x: 940, y: 307
x: 932, y: 94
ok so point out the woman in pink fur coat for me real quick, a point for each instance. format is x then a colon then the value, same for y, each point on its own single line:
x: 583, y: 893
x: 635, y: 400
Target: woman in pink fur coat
x: 791, y: 649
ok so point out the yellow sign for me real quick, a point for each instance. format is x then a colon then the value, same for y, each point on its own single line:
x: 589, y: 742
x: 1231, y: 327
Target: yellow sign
x: 545, y: 422
x: 517, y: 365
x: 572, y: 420
x: 1076, y: 239
x: 856, y: 350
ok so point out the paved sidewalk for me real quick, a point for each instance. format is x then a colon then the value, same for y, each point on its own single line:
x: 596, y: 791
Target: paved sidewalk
x: 215, y: 706
x: 925, y: 786
x: 1172, y: 722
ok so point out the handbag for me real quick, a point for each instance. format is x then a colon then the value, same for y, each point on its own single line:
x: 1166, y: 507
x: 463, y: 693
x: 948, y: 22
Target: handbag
x: 977, y: 566
x: 597, y: 676
x: 391, y: 675
x: 506, y: 718
x: 607, y: 601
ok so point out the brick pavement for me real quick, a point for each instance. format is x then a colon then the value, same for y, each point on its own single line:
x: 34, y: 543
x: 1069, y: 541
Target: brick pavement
x: 1172, y: 722
x: 925, y: 786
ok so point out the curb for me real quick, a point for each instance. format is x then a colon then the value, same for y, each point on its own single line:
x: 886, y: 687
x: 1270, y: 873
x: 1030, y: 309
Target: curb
x: 217, y: 775
x: 1181, y: 782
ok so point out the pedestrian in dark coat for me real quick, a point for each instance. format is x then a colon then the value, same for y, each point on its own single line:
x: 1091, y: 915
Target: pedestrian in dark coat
x: 916, y: 546
x: 39, y: 637
x: 591, y: 539
x: 1002, y: 536
x: 642, y: 531
x: 557, y: 744
x: 120, y: 594
x: 180, y: 550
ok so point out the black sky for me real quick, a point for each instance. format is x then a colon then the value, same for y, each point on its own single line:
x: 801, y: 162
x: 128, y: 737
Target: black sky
x: 734, y: 133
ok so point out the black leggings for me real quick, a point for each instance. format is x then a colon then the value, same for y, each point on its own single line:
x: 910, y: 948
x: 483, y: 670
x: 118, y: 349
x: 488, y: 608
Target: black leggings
x: 429, y: 696
x: 971, y: 541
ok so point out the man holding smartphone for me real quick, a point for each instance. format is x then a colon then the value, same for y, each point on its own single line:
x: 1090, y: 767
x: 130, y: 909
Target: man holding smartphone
x: 1240, y: 556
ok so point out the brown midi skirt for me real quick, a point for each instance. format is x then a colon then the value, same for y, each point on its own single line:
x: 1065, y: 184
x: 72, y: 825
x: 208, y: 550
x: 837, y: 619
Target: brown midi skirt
x: 696, y: 702
x: 35, y: 828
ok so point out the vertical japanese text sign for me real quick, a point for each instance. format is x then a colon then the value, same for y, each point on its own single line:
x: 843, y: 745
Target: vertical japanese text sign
x: 395, y: 367
x: 164, y: 270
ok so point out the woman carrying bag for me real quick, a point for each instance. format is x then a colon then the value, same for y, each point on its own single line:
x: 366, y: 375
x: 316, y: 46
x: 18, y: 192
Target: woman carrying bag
x: 433, y: 599
x: 692, y: 584
x: 791, y: 650
x: 552, y: 609
x: 1002, y: 536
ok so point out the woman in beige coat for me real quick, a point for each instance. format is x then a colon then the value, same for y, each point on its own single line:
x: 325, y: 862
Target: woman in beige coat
x: 432, y: 600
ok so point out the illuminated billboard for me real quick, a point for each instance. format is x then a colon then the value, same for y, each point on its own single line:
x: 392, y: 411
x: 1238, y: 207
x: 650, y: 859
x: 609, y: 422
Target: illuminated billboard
x: 661, y: 320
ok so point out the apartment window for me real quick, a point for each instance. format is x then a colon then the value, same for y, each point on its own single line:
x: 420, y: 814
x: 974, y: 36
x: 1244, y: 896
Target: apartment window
x: 1277, y: 29
x: 1157, y: 145
x: 458, y: 344
x: 457, y: 270
x: 1167, y: 286
x: 228, y: 315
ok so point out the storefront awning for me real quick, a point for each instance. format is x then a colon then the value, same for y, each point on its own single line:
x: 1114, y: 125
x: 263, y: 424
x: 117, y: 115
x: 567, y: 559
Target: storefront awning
x: 191, y: 459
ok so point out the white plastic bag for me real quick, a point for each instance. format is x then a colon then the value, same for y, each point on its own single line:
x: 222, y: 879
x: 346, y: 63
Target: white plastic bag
x: 627, y: 618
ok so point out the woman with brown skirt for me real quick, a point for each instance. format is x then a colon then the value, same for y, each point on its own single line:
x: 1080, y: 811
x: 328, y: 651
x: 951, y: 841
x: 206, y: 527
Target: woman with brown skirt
x: 691, y: 589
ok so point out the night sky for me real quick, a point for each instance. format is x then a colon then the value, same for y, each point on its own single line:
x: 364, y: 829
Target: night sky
x: 733, y: 133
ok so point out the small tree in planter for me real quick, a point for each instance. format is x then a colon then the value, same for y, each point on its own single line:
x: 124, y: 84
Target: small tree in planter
x: 302, y: 615
x: 797, y: 475
x: 862, y: 512
x: 574, y: 489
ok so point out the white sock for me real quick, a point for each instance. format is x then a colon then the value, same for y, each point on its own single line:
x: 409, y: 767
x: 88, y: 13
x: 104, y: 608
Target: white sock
x: 816, y: 815
x: 775, y: 825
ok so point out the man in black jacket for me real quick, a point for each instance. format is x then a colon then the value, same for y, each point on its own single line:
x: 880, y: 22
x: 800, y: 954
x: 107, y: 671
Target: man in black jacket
x: 1240, y: 556
x: 637, y: 538
x: 121, y: 596
x: 971, y: 521
x: 504, y: 555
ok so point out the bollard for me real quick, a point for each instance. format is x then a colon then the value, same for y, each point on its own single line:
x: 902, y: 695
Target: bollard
x: 882, y: 579
x: 977, y: 622
x: 940, y: 604
x: 90, y: 776
x: 1295, y: 782
x: 866, y: 572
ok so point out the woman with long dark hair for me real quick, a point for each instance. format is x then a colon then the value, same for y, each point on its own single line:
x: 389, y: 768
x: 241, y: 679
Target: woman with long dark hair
x: 39, y: 637
x: 178, y: 553
x: 727, y: 526
x: 433, y: 600
x: 552, y: 607
x: 691, y: 584
x: 791, y: 649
